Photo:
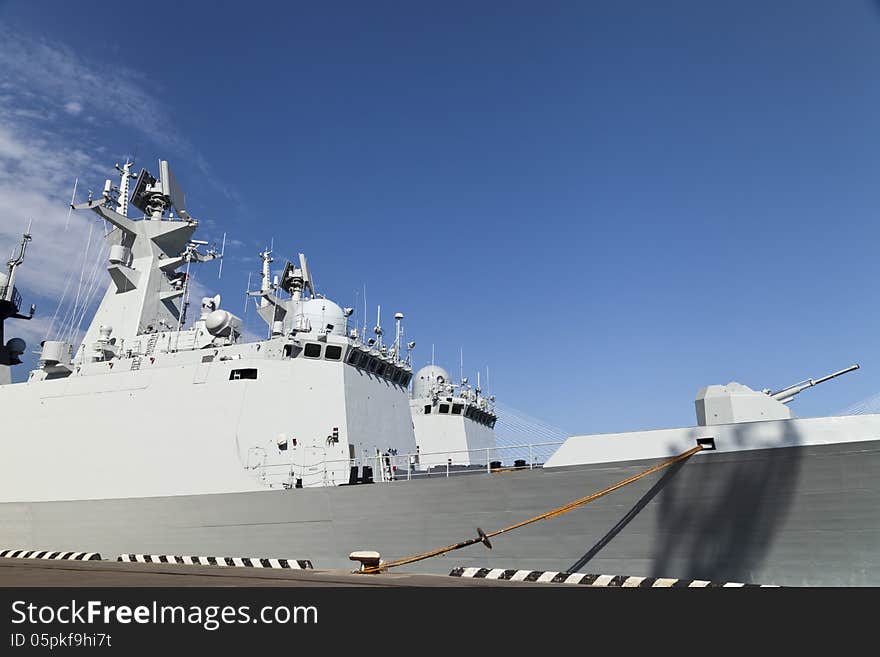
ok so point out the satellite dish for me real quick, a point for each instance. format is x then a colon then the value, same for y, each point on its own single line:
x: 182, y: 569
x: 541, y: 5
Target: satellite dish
x: 172, y: 190
x: 306, y: 274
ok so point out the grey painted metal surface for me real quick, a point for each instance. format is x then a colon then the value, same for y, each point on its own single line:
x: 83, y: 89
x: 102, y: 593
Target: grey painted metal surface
x: 789, y: 516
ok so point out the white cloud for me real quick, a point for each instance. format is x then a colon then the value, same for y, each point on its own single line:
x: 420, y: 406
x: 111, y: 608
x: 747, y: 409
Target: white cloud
x: 35, y: 185
x: 38, y: 73
x: 41, y: 156
x: 37, y: 69
x: 55, y: 111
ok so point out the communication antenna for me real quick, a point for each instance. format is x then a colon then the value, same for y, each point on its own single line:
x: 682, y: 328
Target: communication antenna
x: 247, y: 294
x: 222, y: 253
x: 460, y: 364
x: 357, y: 299
x: 432, y: 353
x: 125, y: 176
x: 398, y: 317
x: 378, y: 328
x: 266, y: 280
x: 72, y: 199
x: 306, y: 274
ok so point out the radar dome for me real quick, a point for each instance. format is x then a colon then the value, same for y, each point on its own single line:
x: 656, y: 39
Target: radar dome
x: 16, y: 346
x: 222, y: 323
x: 321, y: 312
x: 427, y: 377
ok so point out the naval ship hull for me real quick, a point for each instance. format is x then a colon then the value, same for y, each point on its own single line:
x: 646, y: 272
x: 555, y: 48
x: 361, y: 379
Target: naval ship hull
x: 800, y: 515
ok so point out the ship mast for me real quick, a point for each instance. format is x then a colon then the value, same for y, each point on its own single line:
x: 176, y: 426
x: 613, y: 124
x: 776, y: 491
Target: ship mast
x: 266, y: 276
x: 10, y: 304
x: 125, y: 176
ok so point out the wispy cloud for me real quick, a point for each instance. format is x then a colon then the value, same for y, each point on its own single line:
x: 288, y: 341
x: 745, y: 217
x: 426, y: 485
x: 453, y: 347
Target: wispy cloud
x: 43, y: 79
x: 55, y: 78
x: 51, y: 104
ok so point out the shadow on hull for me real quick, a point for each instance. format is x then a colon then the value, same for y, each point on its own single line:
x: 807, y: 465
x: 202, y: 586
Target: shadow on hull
x: 716, y: 519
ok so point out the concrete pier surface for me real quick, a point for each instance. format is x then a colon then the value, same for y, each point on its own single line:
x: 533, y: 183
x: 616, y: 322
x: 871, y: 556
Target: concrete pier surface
x: 40, y: 572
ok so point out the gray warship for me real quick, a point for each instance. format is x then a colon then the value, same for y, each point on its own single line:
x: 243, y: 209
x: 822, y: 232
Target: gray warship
x: 156, y: 435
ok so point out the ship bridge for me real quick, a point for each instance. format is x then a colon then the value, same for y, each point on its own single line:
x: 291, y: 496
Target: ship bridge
x: 453, y: 422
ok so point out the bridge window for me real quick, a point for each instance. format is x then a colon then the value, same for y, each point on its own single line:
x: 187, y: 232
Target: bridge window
x: 444, y: 408
x: 456, y: 409
x: 427, y: 409
x: 333, y: 352
x: 353, y: 357
x: 312, y: 350
x: 246, y: 373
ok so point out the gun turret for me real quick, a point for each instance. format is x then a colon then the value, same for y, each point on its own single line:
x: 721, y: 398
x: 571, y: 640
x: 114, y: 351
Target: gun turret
x: 787, y: 394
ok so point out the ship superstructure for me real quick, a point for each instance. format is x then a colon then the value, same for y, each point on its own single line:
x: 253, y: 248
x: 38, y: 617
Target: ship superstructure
x: 454, y: 422
x: 149, y: 403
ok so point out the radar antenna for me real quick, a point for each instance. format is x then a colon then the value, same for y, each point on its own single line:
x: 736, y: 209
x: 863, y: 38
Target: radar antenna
x: 154, y: 197
x: 308, y: 281
x: 295, y: 280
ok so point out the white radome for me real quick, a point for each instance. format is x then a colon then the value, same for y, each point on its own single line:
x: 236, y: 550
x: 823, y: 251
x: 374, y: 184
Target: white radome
x: 218, y: 322
x: 321, y: 312
x: 426, y: 377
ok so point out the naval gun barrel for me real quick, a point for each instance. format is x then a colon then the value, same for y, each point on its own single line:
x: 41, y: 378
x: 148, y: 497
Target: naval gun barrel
x: 787, y: 394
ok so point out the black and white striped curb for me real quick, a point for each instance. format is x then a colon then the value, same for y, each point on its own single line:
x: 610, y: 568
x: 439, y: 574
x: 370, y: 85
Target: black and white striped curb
x: 622, y: 581
x: 46, y: 554
x: 240, y: 562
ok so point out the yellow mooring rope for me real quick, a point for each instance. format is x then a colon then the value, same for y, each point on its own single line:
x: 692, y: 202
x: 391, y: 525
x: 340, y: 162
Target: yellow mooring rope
x: 484, y: 538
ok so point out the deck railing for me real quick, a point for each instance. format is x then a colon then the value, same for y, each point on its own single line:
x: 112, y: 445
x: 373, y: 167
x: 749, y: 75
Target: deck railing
x: 386, y: 468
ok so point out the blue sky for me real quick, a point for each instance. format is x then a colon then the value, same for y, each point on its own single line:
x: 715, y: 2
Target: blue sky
x: 609, y: 204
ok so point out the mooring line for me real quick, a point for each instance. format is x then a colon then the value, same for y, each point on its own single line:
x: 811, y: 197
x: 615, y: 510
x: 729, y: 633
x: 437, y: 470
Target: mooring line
x: 482, y: 537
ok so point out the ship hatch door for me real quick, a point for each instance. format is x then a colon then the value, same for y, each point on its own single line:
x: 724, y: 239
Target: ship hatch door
x: 202, y: 369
